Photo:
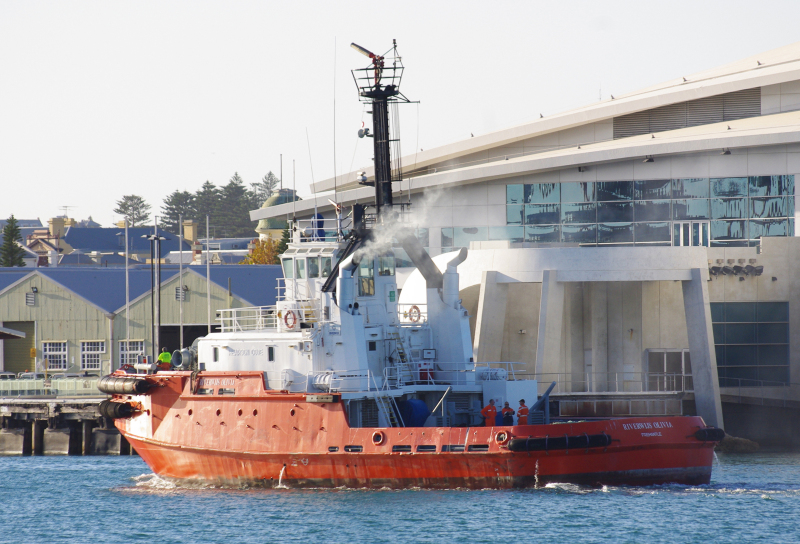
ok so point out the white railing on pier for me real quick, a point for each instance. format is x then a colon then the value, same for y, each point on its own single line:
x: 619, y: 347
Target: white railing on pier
x: 62, y: 387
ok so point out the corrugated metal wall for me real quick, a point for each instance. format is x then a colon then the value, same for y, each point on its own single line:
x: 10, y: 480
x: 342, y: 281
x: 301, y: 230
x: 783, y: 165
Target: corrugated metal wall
x: 714, y: 109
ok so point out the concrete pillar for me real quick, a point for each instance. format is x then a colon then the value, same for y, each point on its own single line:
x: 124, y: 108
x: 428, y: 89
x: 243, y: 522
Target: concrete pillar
x: 12, y: 441
x: 551, y: 323
x: 491, y: 319
x: 701, y: 346
x: 86, y: 442
x: 599, y: 297
x: 56, y: 441
x: 38, y: 436
x: 125, y: 446
x: 107, y: 442
x: 575, y: 357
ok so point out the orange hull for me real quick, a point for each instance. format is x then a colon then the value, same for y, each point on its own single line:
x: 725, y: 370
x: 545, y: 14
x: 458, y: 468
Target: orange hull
x: 265, y: 437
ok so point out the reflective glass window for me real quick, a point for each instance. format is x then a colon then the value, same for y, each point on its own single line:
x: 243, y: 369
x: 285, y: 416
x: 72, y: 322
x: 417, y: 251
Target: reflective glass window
x: 614, y: 233
x: 447, y: 237
x: 512, y: 234
x: 773, y: 355
x: 614, y: 190
x: 767, y: 312
x: 514, y: 214
x: 690, y: 209
x: 773, y: 333
x: 514, y: 194
x: 740, y: 355
x: 768, y: 207
x: 423, y: 235
x: 577, y: 192
x: 326, y: 267
x: 464, y: 235
x: 651, y: 210
x: 690, y: 188
x: 740, y: 333
x: 542, y: 233
x: 402, y: 260
x: 651, y: 232
x: 740, y: 312
x: 652, y: 189
x: 578, y: 213
x: 768, y: 227
x: 728, y: 230
x: 774, y: 373
x: 728, y: 187
x: 718, y: 312
x: 729, y: 208
x: 542, y: 214
x: 386, y: 264
x: 313, y: 267
x: 366, y: 278
x: 771, y: 185
x: 579, y: 234
x: 543, y: 193
x: 614, y: 211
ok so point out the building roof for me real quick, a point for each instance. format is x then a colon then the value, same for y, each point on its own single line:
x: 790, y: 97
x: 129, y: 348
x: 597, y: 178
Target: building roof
x: 255, y: 284
x: 113, y: 240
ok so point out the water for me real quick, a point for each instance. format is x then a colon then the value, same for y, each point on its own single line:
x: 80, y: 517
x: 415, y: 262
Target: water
x: 752, y: 498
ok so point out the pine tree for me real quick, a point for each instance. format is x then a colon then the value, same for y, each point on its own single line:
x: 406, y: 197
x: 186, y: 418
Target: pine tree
x: 206, y: 202
x: 283, y: 245
x: 134, y: 208
x: 11, y: 253
x: 234, y: 209
x: 262, y: 190
x: 177, y: 204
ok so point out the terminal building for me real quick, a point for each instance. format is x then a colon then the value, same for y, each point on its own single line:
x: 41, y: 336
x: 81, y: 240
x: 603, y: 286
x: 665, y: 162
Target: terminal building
x: 641, y: 250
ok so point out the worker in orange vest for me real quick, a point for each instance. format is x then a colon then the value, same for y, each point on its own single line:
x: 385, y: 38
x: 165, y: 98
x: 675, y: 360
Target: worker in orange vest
x: 489, y: 412
x: 508, y: 415
x: 522, y: 412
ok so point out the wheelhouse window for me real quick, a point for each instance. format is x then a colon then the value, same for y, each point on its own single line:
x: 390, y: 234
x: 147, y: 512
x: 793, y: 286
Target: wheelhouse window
x: 288, y: 269
x: 326, y: 267
x: 313, y: 267
x: 386, y: 265
x: 300, y: 268
x: 366, y: 278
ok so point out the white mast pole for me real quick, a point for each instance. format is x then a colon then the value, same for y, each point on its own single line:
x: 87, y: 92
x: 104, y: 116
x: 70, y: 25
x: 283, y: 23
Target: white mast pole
x: 180, y: 273
x: 208, y: 278
x: 127, y: 298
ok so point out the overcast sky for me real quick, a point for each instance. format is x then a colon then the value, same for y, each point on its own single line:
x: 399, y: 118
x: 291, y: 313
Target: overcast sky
x: 104, y: 99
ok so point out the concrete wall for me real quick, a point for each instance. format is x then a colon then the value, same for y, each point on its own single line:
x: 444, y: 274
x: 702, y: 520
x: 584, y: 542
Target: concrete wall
x: 781, y: 97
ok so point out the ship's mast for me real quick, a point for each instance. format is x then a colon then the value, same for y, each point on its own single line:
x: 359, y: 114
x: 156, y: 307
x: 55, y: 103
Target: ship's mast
x: 379, y: 84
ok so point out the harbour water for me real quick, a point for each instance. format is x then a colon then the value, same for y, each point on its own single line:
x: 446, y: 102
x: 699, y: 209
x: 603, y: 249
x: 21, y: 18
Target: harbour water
x: 752, y: 498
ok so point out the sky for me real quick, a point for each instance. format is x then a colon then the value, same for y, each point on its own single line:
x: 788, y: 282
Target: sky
x: 104, y: 99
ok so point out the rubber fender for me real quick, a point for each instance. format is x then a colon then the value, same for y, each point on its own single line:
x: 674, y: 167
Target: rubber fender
x: 581, y: 441
x: 114, y: 385
x: 710, y: 434
x: 115, y: 410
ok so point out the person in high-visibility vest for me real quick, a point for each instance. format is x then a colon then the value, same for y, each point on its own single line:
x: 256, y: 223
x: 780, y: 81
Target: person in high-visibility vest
x: 508, y: 415
x: 522, y: 412
x: 164, y: 360
x: 490, y: 413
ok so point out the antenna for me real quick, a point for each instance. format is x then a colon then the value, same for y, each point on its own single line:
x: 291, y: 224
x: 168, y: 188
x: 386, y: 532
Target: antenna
x: 66, y: 209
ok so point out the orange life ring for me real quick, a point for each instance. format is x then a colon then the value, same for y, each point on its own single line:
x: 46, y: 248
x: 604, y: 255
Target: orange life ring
x: 377, y: 438
x: 502, y: 438
x: 290, y: 320
x: 414, y: 314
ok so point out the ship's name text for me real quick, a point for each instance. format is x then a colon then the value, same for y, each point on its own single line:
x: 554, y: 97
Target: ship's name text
x: 245, y: 352
x: 647, y: 425
x: 216, y: 381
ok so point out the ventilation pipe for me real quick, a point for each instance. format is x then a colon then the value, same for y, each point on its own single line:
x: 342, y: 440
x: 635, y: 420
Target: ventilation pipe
x: 345, y: 284
x: 450, y: 280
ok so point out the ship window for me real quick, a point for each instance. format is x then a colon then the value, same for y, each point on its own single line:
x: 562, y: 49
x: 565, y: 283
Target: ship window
x: 215, y: 355
x: 326, y: 267
x: 313, y: 267
x: 401, y: 449
x: 386, y: 265
x: 271, y: 353
x: 333, y: 449
x: 300, y: 268
x: 426, y: 448
x: 288, y: 269
x: 373, y: 346
x: 366, y: 278
x: 478, y: 447
x: 453, y: 447
x: 226, y: 391
x: 353, y: 449
x: 205, y: 391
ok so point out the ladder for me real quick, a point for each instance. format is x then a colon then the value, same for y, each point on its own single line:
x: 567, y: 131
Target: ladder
x: 388, y: 407
x: 405, y: 372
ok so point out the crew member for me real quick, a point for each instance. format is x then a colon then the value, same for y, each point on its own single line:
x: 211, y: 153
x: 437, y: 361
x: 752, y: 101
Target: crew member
x: 164, y: 360
x: 522, y: 412
x: 489, y: 412
x: 508, y: 415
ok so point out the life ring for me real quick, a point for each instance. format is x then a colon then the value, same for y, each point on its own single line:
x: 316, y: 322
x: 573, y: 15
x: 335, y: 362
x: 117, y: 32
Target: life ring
x: 502, y: 438
x: 414, y: 314
x: 377, y: 438
x: 290, y: 319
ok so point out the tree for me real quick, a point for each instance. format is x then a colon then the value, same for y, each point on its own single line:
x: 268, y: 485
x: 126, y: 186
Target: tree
x: 265, y: 252
x: 10, y: 252
x: 283, y: 245
x: 134, y: 209
x: 233, y: 214
x: 206, y: 202
x: 262, y: 190
x: 177, y: 204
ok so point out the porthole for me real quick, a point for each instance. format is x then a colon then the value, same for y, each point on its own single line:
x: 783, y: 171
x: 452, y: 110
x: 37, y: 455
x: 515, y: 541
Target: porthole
x: 255, y: 412
x: 190, y: 411
x: 219, y: 412
x: 240, y: 412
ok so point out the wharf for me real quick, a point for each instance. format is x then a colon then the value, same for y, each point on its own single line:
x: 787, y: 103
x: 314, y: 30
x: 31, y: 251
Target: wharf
x: 58, y: 426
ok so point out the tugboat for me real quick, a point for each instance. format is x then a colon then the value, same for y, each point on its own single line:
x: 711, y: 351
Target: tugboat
x: 338, y: 384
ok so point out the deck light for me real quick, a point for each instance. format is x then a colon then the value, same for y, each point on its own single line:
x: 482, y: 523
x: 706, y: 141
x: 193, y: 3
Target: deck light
x: 649, y: 158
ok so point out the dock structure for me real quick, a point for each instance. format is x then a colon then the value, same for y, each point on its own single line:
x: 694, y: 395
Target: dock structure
x: 58, y: 426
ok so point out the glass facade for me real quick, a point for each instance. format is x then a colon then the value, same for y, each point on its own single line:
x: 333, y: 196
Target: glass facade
x: 752, y: 342
x: 734, y: 211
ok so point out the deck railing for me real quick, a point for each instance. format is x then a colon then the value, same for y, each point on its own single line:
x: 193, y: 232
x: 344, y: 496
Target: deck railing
x: 62, y: 387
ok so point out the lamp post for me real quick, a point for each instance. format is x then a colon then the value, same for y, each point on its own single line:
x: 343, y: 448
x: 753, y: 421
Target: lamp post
x: 155, y: 292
